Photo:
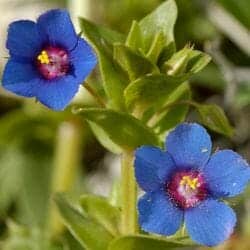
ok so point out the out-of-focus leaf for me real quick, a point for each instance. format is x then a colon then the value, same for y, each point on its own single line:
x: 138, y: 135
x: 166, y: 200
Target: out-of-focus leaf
x: 122, y: 129
x: 229, y: 25
x: 25, y: 156
x: 143, y: 242
x: 89, y: 233
x: 23, y: 238
x: 239, y: 9
x: 214, y: 118
x: 102, y: 211
x: 243, y: 96
x: 11, y: 167
x: 114, y: 79
x: 161, y: 20
x: 149, y: 90
x: 134, y: 64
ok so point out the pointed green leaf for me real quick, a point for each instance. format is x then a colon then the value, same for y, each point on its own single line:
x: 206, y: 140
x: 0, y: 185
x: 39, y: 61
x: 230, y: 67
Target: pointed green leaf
x: 102, y: 211
x: 89, y: 233
x: 214, y: 118
x: 122, y: 129
x: 160, y: 20
x: 177, y: 64
x: 134, y: 64
x: 166, y: 54
x: 197, y: 61
x: 114, y: 79
x: 143, y: 242
x: 174, y: 111
x: 134, y: 40
x: 149, y: 90
x: 104, y: 139
x: 156, y: 47
x: 186, y: 61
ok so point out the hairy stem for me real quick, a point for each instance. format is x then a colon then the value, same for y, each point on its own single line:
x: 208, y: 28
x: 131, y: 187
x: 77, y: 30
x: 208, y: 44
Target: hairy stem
x: 66, y: 162
x: 128, y: 194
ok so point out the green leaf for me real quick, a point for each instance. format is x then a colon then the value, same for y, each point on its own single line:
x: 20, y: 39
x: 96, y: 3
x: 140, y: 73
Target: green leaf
x: 156, y: 47
x: 134, y: 64
x: 104, y: 139
x: 166, y: 54
x: 197, y: 61
x: 122, y: 129
x: 214, y: 118
x: 174, y: 110
x: 161, y: 20
x: 102, y: 211
x: 143, y: 242
x: 186, y: 61
x: 114, y: 79
x: 89, y: 233
x: 134, y: 40
x: 150, y: 90
x: 26, y: 238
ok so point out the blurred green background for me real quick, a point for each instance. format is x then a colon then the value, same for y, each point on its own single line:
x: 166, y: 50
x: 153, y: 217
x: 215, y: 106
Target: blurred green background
x: 42, y: 152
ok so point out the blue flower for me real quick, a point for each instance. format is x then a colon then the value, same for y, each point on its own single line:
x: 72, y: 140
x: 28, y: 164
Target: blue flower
x: 48, y: 60
x: 186, y: 184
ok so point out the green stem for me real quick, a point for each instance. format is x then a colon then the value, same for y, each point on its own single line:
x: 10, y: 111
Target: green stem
x: 128, y: 195
x: 66, y: 162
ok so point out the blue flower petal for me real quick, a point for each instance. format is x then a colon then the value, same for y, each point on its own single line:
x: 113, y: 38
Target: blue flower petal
x: 83, y: 60
x: 19, y: 78
x: 157, y: 214
x: 152, y: 167
x: 56, y: 94
x: 56, y: 25
x: 226, y: 173
x: 190, y: 145
x: 24, y: 39
x: 210, y: 223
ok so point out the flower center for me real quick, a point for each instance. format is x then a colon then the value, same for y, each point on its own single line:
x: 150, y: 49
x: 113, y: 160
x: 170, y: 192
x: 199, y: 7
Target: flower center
x: 187, y: 188
x: 53, y: 62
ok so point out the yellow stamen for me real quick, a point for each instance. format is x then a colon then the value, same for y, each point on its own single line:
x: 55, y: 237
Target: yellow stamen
x: 190, y: 182
x: 43, y: 57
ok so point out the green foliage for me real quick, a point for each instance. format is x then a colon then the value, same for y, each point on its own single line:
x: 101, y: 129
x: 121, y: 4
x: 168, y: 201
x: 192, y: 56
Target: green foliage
x: 87, y: 231
x: 114, y: 79
x: 170, y: 114
x: 146, y: 83
x: 150, y: 90
x: 22, y: 238
x: 239, y: 9
x: 143, y: 242
x: 134, y: 64
x: 134, y: 39
x: 161, y: 20
x: 186, y: 61
x: 102, y: 211
x: 214, y: 118
x: 122, y: 129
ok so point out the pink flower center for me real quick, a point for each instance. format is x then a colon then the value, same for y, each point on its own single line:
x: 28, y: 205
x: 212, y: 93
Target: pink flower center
x: 53, y: 62
x: 187, y: 188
